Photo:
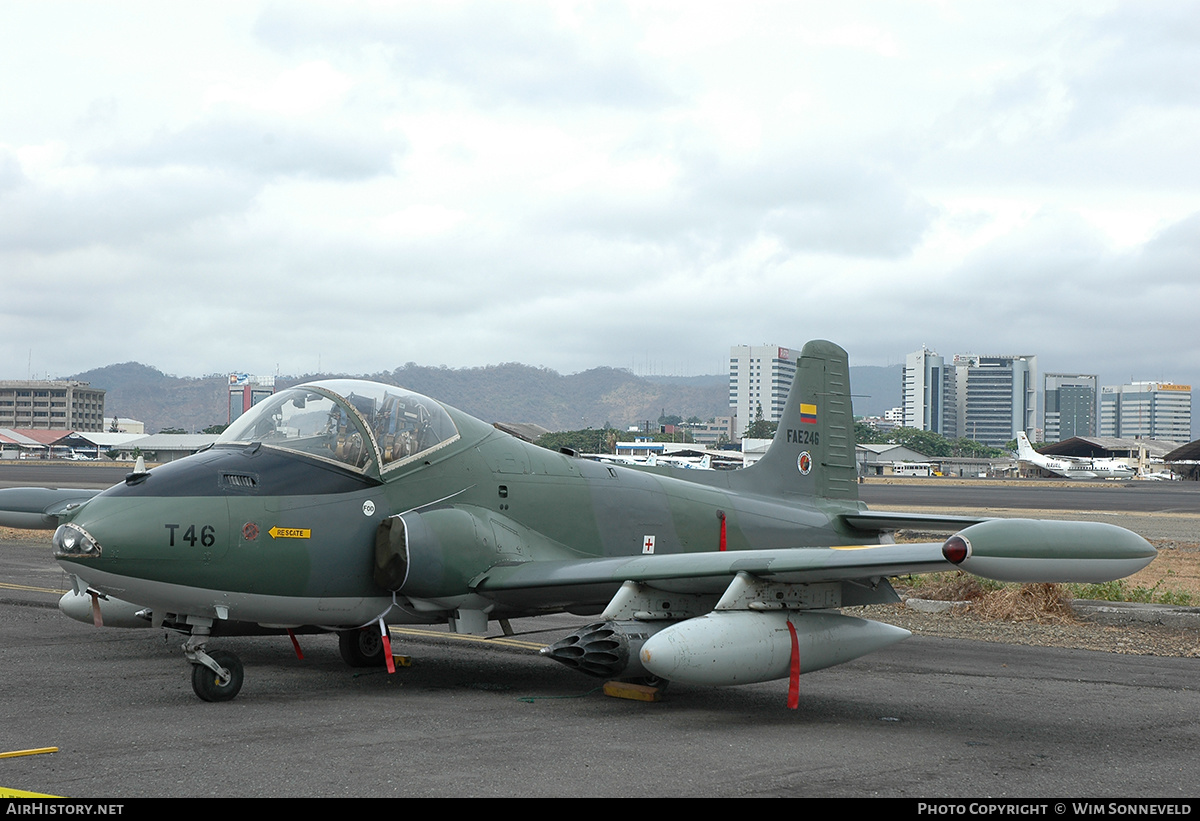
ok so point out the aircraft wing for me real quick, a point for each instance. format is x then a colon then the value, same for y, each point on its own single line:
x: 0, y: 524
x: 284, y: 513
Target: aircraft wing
x: 1011, y: 550
x: 705, y: 572
x: 38, y: 508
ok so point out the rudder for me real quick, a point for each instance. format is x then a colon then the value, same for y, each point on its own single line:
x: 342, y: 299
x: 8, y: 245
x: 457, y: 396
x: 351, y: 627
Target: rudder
x: 812, y: 453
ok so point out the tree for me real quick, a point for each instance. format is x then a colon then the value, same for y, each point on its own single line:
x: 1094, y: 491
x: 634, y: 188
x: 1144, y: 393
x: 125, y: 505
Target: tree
x: 760, y: 428
x: 588, y: 440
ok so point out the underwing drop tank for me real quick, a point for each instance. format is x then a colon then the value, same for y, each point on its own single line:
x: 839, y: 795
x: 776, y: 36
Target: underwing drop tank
x: 743, y: 647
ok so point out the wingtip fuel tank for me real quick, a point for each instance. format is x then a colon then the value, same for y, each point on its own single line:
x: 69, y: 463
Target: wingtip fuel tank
x: 1036, y: 550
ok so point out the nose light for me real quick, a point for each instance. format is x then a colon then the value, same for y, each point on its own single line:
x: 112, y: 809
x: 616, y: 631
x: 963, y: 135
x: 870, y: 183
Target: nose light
x: 73, y: 542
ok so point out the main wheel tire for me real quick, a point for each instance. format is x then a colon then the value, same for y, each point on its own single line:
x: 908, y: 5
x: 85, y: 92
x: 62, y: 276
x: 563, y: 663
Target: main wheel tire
x: 362, y: 647
x: 208, y: 685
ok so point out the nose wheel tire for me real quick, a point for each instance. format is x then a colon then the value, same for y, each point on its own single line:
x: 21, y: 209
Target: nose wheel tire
x: 362, y: 647
x: 209, y: 686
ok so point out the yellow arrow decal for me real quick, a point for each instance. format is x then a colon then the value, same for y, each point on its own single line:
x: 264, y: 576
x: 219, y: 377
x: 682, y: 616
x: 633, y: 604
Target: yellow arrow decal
x: 290, y: 533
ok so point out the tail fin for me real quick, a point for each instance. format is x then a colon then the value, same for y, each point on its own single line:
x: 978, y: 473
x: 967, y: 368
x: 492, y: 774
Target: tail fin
x: 812, y: 453
x: 1025, y: 450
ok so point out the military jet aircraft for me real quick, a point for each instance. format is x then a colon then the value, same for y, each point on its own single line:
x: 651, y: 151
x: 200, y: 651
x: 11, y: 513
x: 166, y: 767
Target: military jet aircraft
x: 345, y: 505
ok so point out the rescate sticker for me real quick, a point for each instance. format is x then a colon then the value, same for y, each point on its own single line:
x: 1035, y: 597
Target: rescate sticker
x: 290, y: 533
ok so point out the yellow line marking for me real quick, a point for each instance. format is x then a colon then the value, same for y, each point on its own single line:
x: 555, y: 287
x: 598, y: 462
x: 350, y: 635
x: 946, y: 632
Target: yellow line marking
x: 857, y: 546
x: 37, y: 751
x: 437, y: 634
x: 11, y: 586
x: 9, y: 792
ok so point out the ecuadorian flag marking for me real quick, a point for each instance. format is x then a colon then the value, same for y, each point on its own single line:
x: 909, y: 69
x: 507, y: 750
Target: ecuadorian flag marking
x: 808, y: 414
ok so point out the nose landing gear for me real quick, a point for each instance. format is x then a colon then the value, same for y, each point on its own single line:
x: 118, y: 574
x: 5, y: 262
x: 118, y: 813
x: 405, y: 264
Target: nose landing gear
x: 221, y: 684
x: 217, y: 676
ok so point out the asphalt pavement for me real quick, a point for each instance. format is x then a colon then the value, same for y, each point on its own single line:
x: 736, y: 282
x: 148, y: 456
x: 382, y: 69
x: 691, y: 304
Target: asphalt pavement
x: 926, y: 718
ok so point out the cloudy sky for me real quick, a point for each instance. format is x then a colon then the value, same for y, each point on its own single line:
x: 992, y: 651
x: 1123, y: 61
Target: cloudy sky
x: 294, y: 187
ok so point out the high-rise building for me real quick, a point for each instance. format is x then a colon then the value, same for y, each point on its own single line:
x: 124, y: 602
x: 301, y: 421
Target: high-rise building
x: 985, y: 398
x: 760, y: 376
x: 1069, y: 406
x: 246, y: 391
x: 927, y: 393
x: 1150, y: 410
x: 51, y: 406
x: 996, y: 397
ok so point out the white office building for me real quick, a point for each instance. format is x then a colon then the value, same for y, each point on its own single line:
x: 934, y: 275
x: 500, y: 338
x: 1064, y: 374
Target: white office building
x: 760, y: 376
x: 985, y: 398
x: 996, y: 397
x: 927, y: 393
x: 1146, y: 410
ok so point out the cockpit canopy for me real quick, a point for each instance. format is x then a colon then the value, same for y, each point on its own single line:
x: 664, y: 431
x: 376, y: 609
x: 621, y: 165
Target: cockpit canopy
x: 352, y: 422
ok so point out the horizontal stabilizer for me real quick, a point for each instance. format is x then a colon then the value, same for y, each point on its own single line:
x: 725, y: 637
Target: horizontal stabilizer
x: 882, y: 520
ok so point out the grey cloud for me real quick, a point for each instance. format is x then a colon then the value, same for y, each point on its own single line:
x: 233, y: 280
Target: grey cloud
x: 498, y: 53
x: 263, y: 149
x: 11, y: 175
x: 1174, y: 254
x: 113, y: 212
x: 1104, y: 100
x: 838, y: 208
x: 1150, y: 58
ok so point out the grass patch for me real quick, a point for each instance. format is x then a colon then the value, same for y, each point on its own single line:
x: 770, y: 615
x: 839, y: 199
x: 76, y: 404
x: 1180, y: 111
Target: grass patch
x: 1122, y: 590
x: 1033, y: 602
x: 995, y: 600
x: 954, y: 585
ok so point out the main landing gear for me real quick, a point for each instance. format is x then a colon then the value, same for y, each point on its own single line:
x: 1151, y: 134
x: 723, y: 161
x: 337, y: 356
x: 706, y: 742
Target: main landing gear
x: 362, y: 647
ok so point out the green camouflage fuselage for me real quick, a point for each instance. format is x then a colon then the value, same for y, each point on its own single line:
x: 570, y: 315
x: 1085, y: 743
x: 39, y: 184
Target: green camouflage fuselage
x: 265, y: 523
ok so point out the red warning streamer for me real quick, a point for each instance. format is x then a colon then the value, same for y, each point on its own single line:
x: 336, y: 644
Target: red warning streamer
x: 295, y: 645
x: 794, y: 677
x: 387, y: 647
